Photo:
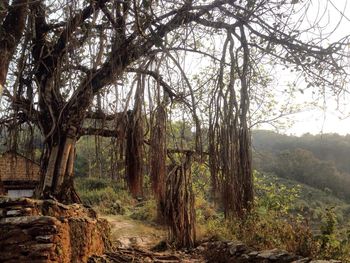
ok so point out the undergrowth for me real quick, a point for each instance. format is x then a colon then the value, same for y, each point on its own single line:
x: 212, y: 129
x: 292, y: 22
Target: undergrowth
x: 271, y: 224
x: 274, y: 221
x: 104, y: 195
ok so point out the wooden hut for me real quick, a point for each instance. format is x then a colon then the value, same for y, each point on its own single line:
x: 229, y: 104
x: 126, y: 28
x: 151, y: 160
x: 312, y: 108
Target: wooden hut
x: 18, y: 175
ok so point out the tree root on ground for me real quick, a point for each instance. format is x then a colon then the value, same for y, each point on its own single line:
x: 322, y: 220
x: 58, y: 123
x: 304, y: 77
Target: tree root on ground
x: 136, y: 255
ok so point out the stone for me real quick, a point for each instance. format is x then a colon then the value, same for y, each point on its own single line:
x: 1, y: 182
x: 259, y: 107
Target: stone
x: 47, y: 231
x: 253, y: 253
x: 13, y: 213
x: 271, y: 254
x: 200, y: 248
x: 325, y: 261
x: 303, y: 260
x: 44, y: 239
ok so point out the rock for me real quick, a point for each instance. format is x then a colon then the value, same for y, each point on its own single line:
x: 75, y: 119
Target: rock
x: 136, y: 240
x: 271, y: 254
x: 200, y: 248
x: 235, y: 252
x: 303, y: 260
x: 13, y: 213
x: 325, y: 261
x: 253, y: 253
x: 236, y: 248
x: 123, y: 242
x: 163, y: 245
x: 47, y: 231
x: 44, y: 239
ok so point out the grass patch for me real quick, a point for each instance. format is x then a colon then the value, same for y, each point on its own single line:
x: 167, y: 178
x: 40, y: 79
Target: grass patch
x: 104, y: 195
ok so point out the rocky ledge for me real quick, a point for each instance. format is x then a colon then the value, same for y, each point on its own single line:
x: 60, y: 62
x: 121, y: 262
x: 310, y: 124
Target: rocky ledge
x: 48, y: 231
x: 209, y: 252
x: 235, y: 252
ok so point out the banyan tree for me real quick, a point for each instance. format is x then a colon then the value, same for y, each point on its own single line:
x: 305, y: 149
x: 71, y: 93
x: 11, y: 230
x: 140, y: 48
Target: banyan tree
x: 64, y: 65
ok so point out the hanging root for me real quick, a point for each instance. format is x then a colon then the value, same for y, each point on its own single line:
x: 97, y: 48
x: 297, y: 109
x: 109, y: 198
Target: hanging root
x: 2, y: 189
x: 158, y: 159
x: 134, y: 154
x: 179, y: 205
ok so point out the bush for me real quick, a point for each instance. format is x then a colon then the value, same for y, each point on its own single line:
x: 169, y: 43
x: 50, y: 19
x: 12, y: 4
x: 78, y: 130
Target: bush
x: 92, y: 183
x: 331, y: 245
x: 269, y: 230
x: 270, y: 224
x: 104, y: 195
x: 145, y: 211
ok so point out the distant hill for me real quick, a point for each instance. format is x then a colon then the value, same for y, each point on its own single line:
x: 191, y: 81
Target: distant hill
x: 320, y: 161
x: 328, y: 147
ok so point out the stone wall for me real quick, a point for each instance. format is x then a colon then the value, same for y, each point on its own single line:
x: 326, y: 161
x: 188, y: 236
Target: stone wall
x: 47, y: 231
x: 17, y: 167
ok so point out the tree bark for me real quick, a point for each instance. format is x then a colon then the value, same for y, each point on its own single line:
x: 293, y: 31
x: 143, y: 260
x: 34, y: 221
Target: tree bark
x: 179, y: 207
x: 2, y: 189
x: 58, y: 167
x: 158, y: 153
x: 134, y: 156
x: 11, y: 31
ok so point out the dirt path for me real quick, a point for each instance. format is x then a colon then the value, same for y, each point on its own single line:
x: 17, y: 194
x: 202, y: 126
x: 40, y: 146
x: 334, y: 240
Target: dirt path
x: 132, y: 233
x: 133, y: 240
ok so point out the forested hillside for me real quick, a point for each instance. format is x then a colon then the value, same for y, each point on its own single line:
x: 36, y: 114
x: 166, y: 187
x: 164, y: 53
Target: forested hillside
x: 321, y: 161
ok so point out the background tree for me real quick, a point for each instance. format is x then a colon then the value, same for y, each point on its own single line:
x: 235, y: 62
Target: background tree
x: 315, y: 160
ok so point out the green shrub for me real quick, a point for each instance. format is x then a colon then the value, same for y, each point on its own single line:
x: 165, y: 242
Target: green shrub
x: 270, y: 230
x: 271, y: 224
x: 219, y: 229
x: 93, y: 183
x: 145, y: 211
x: 331, y: 244
x: 104, y: 195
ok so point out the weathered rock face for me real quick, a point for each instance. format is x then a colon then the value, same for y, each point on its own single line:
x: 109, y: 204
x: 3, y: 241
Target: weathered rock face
x: 47, y: 231
x: 227, y: 252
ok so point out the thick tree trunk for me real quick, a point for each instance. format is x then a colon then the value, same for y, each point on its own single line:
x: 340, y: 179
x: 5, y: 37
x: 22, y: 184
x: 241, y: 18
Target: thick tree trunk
x: 57, y: 168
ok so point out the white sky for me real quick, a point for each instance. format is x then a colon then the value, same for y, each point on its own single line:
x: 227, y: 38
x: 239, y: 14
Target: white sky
x: 326, y: 119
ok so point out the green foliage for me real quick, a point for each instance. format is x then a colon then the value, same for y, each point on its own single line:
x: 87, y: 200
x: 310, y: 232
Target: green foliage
x: 270, y: 230
x: 201, y: 180
x: 272, y: 195
x: 310, y: 202
x: 320, y: 161
x: 270, y: 223
x: 145, y: 211
x: 104, y: 195
x: 90, y: 184
x: 110, y: 199
x: 330, y: 243
x: 204, y: 210
x: 94, y: 157
x: 275, y: 222
x: 220, y: 229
